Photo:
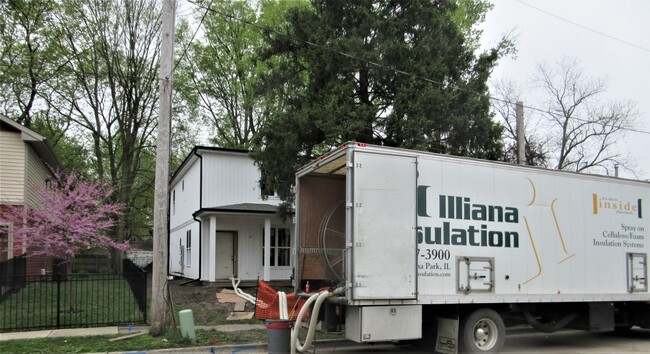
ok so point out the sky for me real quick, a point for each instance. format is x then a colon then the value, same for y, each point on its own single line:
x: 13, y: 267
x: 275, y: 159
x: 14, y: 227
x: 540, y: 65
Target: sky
x: 610, y: 38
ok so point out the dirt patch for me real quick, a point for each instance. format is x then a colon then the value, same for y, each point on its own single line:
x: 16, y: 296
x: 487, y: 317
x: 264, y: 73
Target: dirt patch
x: 202, y: 300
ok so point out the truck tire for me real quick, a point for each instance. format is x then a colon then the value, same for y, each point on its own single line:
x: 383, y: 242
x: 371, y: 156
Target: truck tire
x: 482, y: 331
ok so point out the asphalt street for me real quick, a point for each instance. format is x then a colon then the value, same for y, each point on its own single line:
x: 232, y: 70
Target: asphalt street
x: 530, y: 341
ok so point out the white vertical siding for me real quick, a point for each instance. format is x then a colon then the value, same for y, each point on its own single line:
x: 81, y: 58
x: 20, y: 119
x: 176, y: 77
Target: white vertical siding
x: 36, y: 175
x: 184, y: 200
x: 230, y: 178
x: 185, y: 196
x: 12, y: 167
x: 177, y: 241
x: 249, y: 245
x: 192, y: 270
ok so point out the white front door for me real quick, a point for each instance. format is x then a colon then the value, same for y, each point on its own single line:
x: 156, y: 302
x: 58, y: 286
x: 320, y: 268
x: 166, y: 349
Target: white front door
x: 225, y: 254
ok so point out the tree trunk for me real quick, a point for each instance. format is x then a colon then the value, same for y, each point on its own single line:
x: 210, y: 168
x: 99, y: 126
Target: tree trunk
x: 70, y: 286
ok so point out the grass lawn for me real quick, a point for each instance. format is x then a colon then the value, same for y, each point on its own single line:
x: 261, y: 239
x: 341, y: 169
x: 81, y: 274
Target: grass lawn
x: 95, y: 300
x: 144, y: 342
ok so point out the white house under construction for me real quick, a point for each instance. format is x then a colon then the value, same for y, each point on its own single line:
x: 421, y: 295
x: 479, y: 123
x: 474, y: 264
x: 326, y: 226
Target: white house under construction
x: 218, y: 221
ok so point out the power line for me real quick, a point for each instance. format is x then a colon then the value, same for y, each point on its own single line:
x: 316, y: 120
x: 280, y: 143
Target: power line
x: 585, y: 27
x: 402, y: 72
x: 193, y: 35
x: 541, y: 110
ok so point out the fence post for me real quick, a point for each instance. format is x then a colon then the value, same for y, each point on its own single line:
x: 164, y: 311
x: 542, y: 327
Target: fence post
x: 57, y: 277
x: 144, y: 295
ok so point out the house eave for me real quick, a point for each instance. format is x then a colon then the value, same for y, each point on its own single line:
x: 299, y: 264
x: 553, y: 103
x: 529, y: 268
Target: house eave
x: 39, y: 143
x: 231, y: 210
x: 194, y: 155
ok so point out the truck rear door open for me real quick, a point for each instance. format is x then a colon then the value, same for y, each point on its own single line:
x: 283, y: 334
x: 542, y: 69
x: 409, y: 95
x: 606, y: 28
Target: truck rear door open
x: 384, y: 242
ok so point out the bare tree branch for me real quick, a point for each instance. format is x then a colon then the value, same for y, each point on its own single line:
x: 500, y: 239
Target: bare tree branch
x: 583, y: 124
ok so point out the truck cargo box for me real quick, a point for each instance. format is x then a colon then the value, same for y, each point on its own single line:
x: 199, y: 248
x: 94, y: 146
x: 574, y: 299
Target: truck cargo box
x: 413, y: 227
x: 460, y: 242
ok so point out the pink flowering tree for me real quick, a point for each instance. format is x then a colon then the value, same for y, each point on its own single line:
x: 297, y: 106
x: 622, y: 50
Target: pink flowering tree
x: 73, y: 215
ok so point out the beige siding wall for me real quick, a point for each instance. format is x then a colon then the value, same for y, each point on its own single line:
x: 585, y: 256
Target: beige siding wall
x: 12, y: 168
x: 37, y: 174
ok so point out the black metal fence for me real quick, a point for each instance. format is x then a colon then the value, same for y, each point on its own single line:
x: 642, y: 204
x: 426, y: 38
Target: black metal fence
x: 75, y: 300
x: 12, y: 276
x: 137, y: 280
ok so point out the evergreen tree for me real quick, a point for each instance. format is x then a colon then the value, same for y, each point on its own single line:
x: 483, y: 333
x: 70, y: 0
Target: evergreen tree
x: 395, y: 73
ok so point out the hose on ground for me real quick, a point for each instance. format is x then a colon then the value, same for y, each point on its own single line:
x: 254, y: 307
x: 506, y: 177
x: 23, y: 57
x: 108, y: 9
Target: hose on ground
x: 240, y: 292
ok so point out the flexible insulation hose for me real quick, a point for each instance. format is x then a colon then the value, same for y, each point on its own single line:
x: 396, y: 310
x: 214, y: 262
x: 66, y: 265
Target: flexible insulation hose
x: 295, y: 342
x: 240, y: 292
x: 284, y: 311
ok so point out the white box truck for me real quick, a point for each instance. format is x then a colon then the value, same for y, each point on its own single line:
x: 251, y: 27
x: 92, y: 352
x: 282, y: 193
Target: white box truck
x: 452, y: 250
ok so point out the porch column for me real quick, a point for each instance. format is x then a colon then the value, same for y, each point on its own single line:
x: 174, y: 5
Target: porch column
x: 212, y: 250
x: 267, y: 249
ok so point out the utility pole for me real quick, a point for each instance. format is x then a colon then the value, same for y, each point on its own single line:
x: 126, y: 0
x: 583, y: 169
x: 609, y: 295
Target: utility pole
x: 161, y: 202
x: 521, y: 135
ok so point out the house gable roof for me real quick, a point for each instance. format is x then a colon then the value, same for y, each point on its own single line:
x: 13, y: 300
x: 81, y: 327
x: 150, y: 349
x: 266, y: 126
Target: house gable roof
x: 38, y: 142
x: 195, y: 154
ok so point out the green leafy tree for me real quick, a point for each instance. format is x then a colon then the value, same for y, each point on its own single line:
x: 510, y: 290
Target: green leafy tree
x: 468, y: 13
x: 109, y: 93
x: 187, y: 127
x: 218, y: 78
x: 84, y: 73
x: 31, y: 62
x: 397, y: 73
x: 28, y: 57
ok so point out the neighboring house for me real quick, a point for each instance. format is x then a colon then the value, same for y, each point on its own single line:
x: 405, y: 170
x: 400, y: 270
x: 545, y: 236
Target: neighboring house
x: 26, y: 163
x: 218, y: 221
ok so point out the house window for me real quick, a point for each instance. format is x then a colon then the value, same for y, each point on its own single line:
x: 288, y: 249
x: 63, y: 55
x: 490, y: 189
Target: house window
x: 267, y: 191
x: 174, y: 202
x: 188, y: 247
x: 280, y: 247
x: 182, y: 185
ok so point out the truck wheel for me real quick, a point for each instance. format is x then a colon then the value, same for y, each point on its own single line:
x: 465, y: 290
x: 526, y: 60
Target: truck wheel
x: 482, y: 331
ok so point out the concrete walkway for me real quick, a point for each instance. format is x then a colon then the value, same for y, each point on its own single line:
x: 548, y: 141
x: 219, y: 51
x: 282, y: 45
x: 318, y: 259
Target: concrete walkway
x: 331, y: 345
x: 104, y: 331
x: 71, y: 332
